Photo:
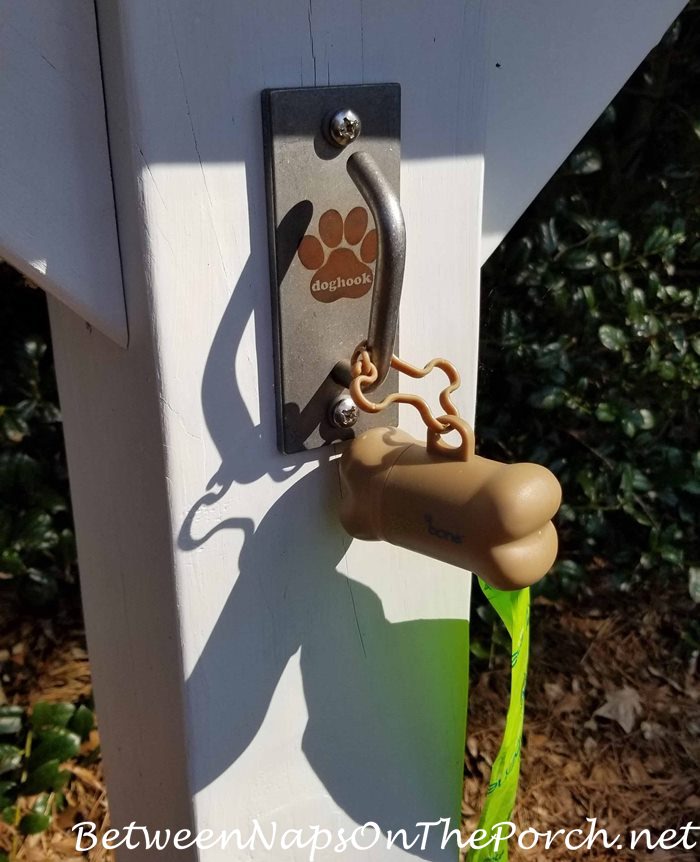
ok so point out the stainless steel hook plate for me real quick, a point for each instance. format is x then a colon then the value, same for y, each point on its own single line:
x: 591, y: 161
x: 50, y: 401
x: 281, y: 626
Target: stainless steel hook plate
x: 323, y: 247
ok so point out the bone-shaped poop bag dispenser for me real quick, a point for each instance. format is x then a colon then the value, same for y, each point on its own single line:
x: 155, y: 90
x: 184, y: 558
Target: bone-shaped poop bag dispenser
x: 491, y: 518
x: 448, y: 503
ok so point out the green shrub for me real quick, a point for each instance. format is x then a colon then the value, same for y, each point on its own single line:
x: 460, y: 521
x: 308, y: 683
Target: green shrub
x: 591, y: 336
x: 37, y: 546
x: 37, y: 556
x: 33, y: 750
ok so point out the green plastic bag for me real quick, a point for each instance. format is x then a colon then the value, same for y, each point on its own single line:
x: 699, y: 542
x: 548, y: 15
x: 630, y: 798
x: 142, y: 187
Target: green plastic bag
x: 513, y: 608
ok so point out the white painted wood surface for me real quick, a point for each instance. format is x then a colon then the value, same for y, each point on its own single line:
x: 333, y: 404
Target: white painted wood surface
x: 249, y: 661
x: 57, y: 220
x: 552, y: 67
x: 247, y: 656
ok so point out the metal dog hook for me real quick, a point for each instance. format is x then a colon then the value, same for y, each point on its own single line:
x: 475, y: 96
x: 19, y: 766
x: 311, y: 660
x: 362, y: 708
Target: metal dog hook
x: 332, y: 157
x: 391, y: 258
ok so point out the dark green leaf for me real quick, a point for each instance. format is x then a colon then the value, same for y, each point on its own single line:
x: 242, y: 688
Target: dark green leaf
x: 589, y: 296
x: 51, y: 715
x: 549, y: 235
x: 10, y: 724
x: 666, y: 370
x: 578, y: 259
x: 612, y: 337
x: 47, y: 777
x: 624, y: 244
x: 10, y: 719
x: 479, y: 649
x: 10, y: 758
x: 605, y: 412
x: 33, y: 824
x: 677, y: 335
x: 82, y: 722
x: 547, y: 398
x: 672, y: 554
x: 587, y: 481
x: 644, y: 418
x: 657, y: 240
x: 55, y: 744
x: 568, y: 567
x: 36, y: 530
x: 585, y: 161
x: 13, y: 426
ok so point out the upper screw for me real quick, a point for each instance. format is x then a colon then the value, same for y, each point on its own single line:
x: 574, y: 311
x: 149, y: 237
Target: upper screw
x: 343, y: 127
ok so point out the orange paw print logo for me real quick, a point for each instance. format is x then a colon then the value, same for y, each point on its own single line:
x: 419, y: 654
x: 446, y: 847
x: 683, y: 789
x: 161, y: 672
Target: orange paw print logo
x: 338, y: 270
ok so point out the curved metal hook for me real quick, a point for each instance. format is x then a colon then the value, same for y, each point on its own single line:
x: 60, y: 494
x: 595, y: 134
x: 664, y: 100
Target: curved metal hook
x: 388, y: 274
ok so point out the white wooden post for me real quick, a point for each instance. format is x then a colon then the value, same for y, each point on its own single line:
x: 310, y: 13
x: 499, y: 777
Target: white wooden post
x: 250, y: 662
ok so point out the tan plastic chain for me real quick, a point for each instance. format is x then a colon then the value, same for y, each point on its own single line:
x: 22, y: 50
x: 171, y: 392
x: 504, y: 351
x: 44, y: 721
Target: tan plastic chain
x: 364, y: 373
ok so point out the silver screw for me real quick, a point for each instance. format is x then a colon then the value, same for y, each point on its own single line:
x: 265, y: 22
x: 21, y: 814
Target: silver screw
x: 344, y: 412
x: 343, y: 127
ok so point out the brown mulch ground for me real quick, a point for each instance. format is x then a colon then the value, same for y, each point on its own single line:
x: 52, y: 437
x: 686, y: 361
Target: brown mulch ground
x: 621, y: 655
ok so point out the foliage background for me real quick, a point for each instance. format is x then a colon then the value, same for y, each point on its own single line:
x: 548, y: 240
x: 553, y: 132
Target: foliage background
x: 37, y: 546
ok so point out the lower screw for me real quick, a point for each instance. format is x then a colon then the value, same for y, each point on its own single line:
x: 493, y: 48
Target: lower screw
x: 344, y: 413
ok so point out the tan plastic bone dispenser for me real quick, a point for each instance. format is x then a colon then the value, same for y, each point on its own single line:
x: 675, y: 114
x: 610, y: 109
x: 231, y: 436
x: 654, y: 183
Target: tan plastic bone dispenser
x: 484, y: 516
